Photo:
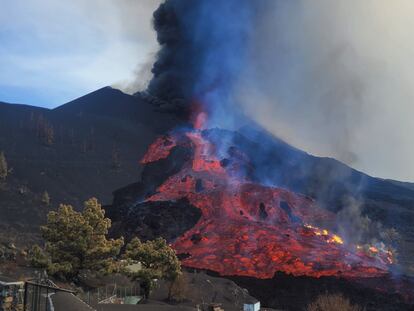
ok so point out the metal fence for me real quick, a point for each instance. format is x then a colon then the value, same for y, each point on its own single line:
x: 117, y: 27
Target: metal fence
x: 109, y: 294
x: 37, y: 297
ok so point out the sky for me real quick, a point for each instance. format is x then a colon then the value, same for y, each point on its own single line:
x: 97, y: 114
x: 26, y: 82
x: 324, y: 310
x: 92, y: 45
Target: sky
x: 54, y: 51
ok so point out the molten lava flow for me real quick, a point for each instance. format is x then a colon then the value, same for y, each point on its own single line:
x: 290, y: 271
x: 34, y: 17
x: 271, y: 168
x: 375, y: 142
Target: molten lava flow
x: 250, y: 229
x: 203, y: 161
x: 159, y: 149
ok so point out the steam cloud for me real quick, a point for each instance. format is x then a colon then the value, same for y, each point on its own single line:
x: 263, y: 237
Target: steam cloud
x: 330, y: 77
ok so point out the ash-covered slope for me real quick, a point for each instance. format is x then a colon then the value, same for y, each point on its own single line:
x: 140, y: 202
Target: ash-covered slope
x: 85, y: 148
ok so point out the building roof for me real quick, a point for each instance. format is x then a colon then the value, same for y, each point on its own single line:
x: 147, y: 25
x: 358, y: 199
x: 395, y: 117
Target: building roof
x: 63, y: 301
x: 251, y: 301
x: 6, y: 281
x: 143, y: 307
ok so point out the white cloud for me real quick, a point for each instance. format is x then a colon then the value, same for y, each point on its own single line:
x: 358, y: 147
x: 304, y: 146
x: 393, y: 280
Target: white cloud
x: 68, y: 48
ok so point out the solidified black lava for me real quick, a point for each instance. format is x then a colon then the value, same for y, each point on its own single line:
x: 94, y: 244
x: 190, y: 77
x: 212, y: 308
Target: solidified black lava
x: 286, y: 208
x: 149, y: 220
x: 153, y: 175
x: 199, y: 185
x: 288, y: 292
x: 262, y: 211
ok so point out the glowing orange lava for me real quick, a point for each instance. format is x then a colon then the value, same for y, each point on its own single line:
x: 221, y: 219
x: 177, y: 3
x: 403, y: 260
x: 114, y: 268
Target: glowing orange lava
x: 159, y: 149
x: 254, y: 230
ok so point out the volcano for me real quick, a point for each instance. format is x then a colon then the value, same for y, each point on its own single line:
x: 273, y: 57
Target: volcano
x: 250, y: 229
x: 211, y: 201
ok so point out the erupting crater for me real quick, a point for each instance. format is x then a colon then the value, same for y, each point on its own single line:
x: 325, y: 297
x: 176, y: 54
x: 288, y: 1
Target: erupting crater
x: 251, y: 229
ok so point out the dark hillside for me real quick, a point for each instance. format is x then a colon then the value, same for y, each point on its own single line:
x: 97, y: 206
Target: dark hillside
x: 87, y: 147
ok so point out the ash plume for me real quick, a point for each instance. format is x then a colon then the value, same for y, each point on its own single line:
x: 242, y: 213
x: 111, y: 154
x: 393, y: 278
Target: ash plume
x: 203, y: 50
x: 330, y: 77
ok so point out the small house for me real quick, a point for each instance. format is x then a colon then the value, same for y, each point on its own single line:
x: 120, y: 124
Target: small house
x: 11, y: 294
x: 251, y: 305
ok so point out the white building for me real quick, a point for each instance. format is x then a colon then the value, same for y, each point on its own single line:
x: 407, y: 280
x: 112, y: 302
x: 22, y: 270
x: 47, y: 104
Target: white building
x: 251, y: 305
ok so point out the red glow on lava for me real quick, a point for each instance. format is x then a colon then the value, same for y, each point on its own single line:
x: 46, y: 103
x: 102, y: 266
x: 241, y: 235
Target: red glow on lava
x: 159, y: 149
x: 204, y: 159
x: 254, y: 230
x: 200, y: 121
x: 198, y: 116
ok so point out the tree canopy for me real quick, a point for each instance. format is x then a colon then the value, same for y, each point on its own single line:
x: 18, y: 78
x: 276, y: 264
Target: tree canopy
x: 158, y: 261
x: 78, y: 240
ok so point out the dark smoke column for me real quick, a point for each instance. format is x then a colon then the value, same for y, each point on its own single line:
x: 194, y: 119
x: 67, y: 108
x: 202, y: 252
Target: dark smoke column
x: 203, y: 49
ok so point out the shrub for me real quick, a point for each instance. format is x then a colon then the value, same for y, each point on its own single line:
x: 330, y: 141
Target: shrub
x: 179, y: 288
x: 3, y: 166
x: 37, y: 257
x: 331, y: 302
x: 158, y: 261
x: 76, y: 241
x: 46, y: 198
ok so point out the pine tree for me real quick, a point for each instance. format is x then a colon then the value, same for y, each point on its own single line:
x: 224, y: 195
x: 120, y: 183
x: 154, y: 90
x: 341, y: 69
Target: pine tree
x: 77, y: 241
x: 46, y: 198
x: 101, y: 251
x: 3, y: 167
x: 158, y: 261
x: 37, y: 257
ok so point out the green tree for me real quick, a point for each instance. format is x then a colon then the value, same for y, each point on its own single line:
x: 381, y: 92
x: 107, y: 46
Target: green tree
x: 3, y: 166
x: 158, y: 261
x: 46, y: 198
x: 77, y: 241
x: 37, y: 257
x: 100, y: 251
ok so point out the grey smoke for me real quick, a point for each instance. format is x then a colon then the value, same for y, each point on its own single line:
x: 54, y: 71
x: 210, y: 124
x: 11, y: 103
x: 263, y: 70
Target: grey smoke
x: 335, y: 79
x: 142, y: 77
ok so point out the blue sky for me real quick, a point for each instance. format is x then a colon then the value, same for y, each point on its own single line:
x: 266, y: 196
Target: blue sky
x: 54, y: 51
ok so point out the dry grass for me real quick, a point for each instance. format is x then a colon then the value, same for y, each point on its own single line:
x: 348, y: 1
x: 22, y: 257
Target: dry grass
x: 180, y: 289
x: 335, y: 302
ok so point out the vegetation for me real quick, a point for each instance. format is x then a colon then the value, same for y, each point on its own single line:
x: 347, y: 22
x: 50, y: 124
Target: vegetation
x: 45, y: 131
x: 46, y: 198
x: 3, y: 166
x: 335, y: 302
x: 115, y: 160
x: 179, y: 288
x: 158, y: 261
x: 49, y: 136
x: 37, y: 257
x: 78, y: 240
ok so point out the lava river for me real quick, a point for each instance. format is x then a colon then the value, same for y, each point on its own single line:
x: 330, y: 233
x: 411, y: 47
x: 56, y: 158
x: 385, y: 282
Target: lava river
x: 249, y: 229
